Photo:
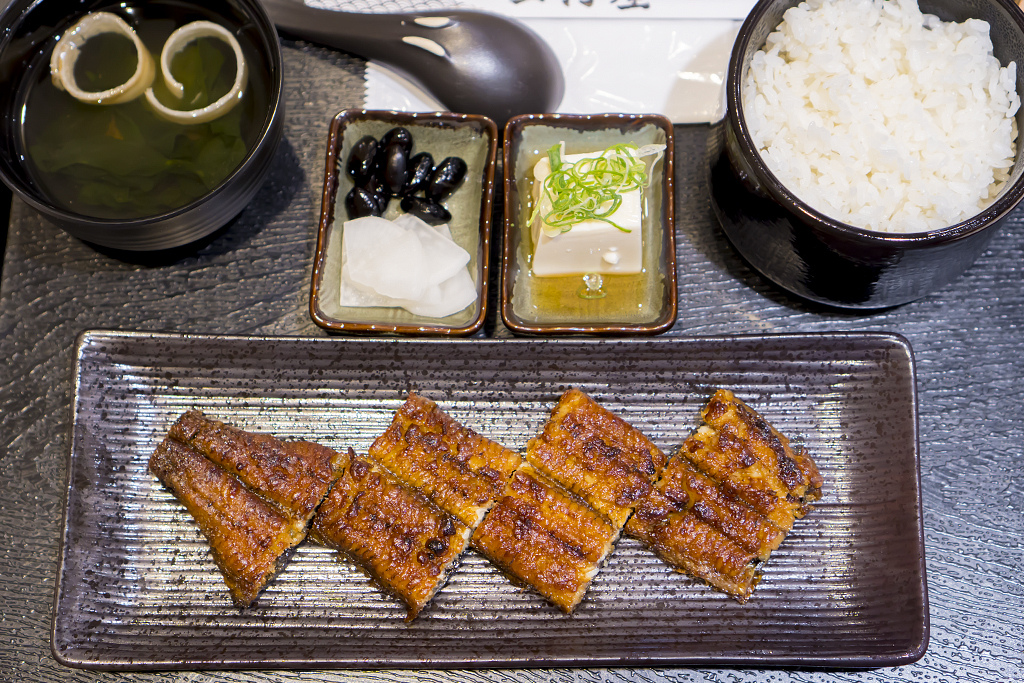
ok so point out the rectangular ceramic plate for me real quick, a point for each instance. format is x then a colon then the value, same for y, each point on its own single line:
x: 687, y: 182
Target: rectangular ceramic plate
x: 137, y: 589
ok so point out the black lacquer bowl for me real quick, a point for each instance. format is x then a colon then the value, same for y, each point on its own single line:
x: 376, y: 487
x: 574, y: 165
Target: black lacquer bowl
x: 29, y: 30
x: 824, y: 260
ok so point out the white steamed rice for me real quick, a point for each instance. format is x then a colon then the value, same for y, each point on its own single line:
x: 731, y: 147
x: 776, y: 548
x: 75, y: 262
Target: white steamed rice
x: 882, y: 117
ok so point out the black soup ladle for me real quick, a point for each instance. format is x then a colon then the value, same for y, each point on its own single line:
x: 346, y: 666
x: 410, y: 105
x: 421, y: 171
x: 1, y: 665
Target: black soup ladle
x: 472, y: 62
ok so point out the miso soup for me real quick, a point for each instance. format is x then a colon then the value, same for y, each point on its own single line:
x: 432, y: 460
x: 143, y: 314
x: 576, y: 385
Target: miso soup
x: 123, y: 161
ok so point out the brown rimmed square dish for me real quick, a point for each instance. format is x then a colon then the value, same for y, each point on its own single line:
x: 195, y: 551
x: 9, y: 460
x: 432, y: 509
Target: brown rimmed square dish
x: 635, y: 304
x: 443, y: 134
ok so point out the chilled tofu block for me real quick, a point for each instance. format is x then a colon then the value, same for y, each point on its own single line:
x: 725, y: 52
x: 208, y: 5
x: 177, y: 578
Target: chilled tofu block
x: 460, y: 471
x: 591, y: 246
x: 543, y: 536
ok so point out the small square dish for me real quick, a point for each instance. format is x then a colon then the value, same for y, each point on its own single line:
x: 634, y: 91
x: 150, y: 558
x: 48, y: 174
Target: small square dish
x: 597, y: 276
x: 442, y: 135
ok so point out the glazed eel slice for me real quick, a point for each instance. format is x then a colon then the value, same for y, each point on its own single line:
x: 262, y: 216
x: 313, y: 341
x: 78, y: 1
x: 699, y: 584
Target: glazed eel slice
x: 752, y: 461
x: 457, y: 469
x: 539, y: 534
x: 252, y: 495
x: 695, y: 527
x: 596, y: 455
x: 727, y: 499
x: 401, y: 540
x: 543, y: 536
x: 293, y: 476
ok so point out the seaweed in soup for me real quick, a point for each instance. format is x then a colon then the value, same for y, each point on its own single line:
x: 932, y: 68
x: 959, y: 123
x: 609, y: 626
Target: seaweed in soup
x: 123, y: 161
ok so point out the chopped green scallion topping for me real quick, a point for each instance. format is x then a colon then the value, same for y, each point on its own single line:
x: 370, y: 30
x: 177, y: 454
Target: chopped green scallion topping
x: 591, y: 188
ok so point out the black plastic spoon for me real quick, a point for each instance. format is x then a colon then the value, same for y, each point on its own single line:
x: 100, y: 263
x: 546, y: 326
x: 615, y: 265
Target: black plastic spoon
x: 472, y: 62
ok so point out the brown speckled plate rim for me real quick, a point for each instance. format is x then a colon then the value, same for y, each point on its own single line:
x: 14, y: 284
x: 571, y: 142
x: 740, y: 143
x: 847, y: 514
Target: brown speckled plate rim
x: 890, y: 355
x: 333, y: 167
x: 669, y: 307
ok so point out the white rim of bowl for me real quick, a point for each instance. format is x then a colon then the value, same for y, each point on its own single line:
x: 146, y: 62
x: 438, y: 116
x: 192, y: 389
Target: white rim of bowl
x: 175, y: 44
x: 67, y: 50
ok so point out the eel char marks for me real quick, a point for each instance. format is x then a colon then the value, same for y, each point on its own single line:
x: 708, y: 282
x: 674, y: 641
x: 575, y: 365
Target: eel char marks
x: 404, y: 543
x: 459, y: 470
x: 727, y: 499
x: 543, y: 536
x: 694, y: 526
x: 753, y: 461
x: 252, y: 495
x: 596, y: 455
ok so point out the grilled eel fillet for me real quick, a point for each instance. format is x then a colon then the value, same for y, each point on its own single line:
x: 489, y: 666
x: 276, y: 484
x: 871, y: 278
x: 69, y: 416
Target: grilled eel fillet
x: 406, y: 545
x: 457, y: 469
x: 728, y: 499
x: 543, y: 536
x: 753, y: 461
x: 252, y: 495
x: 691, y: 524
x: 596, y: 455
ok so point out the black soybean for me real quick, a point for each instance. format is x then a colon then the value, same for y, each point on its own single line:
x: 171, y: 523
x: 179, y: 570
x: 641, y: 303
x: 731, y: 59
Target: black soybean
x: 429, y: 211
x: 380, y: 192
x: 396, y: 166
x: 362, y: 161
x: 359, y: 203
x: 385, y: 168
x: 398, y: 135
x: 421, y: 167
x: 447, y: 176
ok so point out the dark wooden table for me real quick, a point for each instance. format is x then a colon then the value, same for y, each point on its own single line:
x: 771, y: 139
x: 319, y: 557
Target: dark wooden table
x: 253, y: 277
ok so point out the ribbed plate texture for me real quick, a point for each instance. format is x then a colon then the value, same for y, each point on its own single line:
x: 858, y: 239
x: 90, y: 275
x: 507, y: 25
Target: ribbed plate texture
x: 137, y: 587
